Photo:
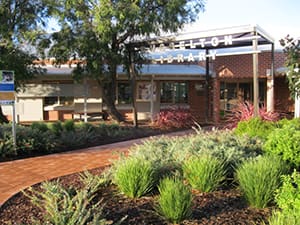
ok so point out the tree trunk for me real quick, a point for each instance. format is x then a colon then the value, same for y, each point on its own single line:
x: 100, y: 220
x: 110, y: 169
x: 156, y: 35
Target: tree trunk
x: 133, y: 90
x: 111, y: 107
x: 109, y: 95
x: 3, y: 118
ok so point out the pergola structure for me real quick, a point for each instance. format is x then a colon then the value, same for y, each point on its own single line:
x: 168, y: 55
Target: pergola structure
x: 204, y: 45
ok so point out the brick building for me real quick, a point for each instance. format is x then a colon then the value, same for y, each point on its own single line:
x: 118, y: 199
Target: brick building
x: 196, y: 75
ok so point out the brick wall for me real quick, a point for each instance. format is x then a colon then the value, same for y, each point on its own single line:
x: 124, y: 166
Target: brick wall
x: 241, y: 66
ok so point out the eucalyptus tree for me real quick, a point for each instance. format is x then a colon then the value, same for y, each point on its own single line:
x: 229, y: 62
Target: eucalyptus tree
x: 20, y: 22
x: 98, y: 33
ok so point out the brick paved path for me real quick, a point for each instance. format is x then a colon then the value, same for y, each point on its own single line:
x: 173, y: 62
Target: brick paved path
x: 19, y: 174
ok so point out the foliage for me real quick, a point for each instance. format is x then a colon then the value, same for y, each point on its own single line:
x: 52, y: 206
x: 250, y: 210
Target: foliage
x: 33, y: 140
x: 285, y: 142
x: 292, y: 51
x: 279, y: 218
x: 224, y: 145
x: 56, y: 127
x: 41, y: 126
x: 174, y: 200
x: 134, y: 177
x: 66, y: 206
x: 288, y: 195
x: 259, y: 178
x: 41, y: 137
x: 204, y: 172
x: 245, y: 111
x: 174, y: 117
x: 288, y: 200
x: 69, y: 125
x: 7, y: 147
x: 255, y: 127
x: 100, y: 32
x: 20, y: 23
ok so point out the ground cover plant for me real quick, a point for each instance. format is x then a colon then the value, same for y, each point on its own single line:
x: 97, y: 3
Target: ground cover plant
x: 44, y: 138
x: 226, y: 203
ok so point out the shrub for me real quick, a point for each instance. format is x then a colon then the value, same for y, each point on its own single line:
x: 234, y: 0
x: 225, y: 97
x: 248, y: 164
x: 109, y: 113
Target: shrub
x: 66, y: 206
x: 259, y: 178
x: 41, y: 126
x: 160, y: 153
x: 204, y: 173
x: 174, y: 200
x: 56, y: 127
x: 255, y: 127
x: 285, y: 142
x: 288, y: 195
x: 134, y: 177
x: 174, y: 117
x: 279, y: 218
x: 7, y: 147
x: 224, y: 145
x: 245, y: 111
x: 69, y: 125
x: 288, y: 200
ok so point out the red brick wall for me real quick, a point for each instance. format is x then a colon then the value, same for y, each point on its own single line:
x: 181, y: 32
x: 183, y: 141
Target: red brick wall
x: 241, y: 66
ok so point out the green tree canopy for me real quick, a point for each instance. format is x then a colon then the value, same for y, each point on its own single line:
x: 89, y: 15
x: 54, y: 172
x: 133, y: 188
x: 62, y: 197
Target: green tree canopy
x: 98, y: 32
x: 292, y: 51
x: 20, y: 22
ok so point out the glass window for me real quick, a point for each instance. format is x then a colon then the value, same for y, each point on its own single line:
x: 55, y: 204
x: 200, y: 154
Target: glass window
x: 124, y: 93
x: 58, y: 100
x: 174, y: 92
x: 51, y: 101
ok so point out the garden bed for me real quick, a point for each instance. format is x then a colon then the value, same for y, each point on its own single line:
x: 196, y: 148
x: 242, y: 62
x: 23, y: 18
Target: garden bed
x: 224, y: 206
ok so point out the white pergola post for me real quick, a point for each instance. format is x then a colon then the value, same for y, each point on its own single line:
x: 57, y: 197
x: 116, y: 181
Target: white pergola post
x: 255, y: 76
x: 270, y: 84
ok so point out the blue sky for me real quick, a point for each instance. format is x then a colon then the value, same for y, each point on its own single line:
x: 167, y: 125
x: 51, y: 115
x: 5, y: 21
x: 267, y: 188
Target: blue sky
x: 277, y: 17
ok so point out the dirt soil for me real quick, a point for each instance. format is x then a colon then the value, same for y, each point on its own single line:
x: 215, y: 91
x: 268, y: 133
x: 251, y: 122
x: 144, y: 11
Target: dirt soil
x: 225, y: 206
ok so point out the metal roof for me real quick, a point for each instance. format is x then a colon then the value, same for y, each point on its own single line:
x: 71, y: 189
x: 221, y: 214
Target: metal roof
x: 146, y: 69
x: 241, y: 36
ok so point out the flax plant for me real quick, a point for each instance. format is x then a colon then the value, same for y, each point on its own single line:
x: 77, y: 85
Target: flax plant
x: 259, y: 178
x: 174, y: 200
x: 204, y: 172
x: 134, y: 177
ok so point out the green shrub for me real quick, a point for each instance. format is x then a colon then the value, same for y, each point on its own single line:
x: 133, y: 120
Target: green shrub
x: 221, y: 144
x: 174, y: 200
x: 160, y: 153
x: 259, y: 178
x: 31, y: 140
x: 255, y: 127
x: 288, y: 195
x: 69, y: 125
x: 285, y: 142
x: 134, y: 177
x: 7, y: 147
x: 204, y: 173
x: 66, y: 206
x: 56, y: 127
x: 279, y: 218
x: 41, y: 126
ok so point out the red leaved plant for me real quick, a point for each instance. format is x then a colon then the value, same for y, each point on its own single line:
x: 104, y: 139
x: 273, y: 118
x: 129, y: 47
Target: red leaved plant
x: 174, y: 117
x: 245, y: 111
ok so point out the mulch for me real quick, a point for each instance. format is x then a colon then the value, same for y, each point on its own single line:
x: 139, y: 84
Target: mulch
x: 224, y: 206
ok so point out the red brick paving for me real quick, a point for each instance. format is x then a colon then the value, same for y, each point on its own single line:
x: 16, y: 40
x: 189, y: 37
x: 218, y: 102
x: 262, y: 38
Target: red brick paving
x: 19, y: 174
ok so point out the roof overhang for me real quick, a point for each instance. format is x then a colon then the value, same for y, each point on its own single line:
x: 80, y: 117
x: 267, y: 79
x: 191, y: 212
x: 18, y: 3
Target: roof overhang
x: 238, y: 36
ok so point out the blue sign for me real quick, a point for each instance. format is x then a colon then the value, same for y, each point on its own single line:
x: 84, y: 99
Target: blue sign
x: 7, y: 81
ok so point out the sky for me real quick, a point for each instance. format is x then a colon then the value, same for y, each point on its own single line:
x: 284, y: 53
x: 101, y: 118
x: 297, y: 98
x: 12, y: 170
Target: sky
x: 277, y: 17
